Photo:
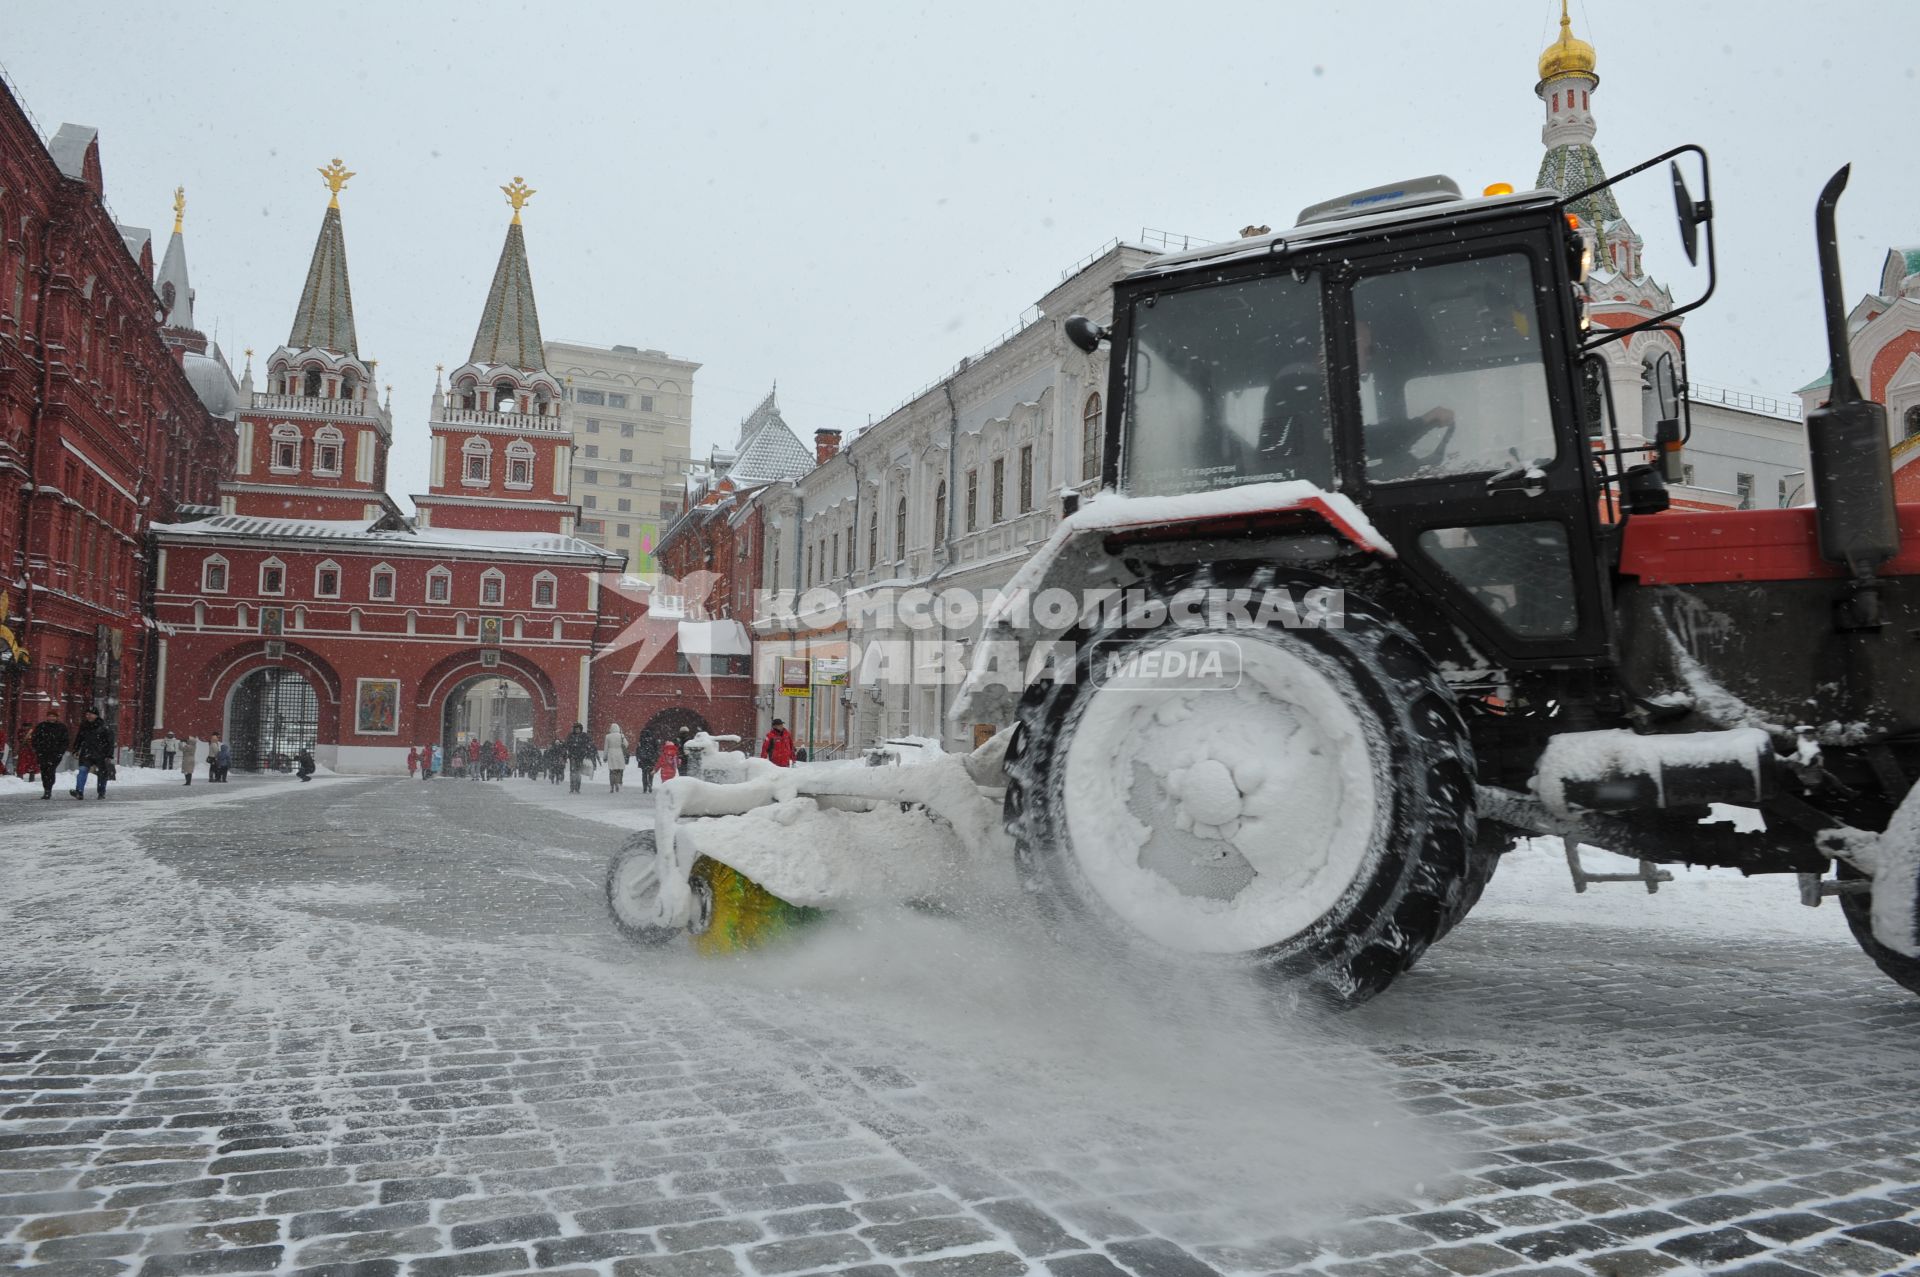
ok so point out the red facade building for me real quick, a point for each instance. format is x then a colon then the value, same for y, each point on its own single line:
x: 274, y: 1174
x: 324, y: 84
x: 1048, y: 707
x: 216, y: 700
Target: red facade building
x: 309, y: 612
x: 101, y: 429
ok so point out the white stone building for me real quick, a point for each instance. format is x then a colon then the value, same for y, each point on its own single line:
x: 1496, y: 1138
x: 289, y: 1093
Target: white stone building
x: 952, y: 491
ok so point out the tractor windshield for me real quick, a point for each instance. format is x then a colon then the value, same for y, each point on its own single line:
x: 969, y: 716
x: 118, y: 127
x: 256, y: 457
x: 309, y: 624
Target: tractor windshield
x: 1452, y: 380
x: 1228, y: 386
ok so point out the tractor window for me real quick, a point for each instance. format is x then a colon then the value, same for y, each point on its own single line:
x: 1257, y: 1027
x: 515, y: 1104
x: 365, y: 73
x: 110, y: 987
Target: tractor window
x: 1452, y: 380
x: 1520, y: 572
x: 1228, y: 387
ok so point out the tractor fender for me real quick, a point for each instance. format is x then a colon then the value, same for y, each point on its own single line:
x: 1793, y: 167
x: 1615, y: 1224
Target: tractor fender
x: 1078, y: 556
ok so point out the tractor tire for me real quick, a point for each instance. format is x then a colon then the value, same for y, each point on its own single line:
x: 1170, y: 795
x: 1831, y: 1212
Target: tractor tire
x: 633, y: 881
x: 1313, y: 823
x: 1858, y: 910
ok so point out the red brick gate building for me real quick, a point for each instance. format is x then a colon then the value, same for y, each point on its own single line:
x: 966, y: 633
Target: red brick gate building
x: 310, y: 611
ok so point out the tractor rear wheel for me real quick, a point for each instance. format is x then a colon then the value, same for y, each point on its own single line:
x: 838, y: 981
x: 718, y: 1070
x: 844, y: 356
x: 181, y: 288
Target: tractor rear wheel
x: 1308, y: 815
x: 1858, y: 909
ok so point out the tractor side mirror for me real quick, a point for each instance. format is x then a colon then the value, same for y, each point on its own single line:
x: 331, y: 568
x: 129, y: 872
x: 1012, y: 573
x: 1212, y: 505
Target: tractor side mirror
x: 1689, y: 214
x: 1084, y: 333
x: 1666, y: 386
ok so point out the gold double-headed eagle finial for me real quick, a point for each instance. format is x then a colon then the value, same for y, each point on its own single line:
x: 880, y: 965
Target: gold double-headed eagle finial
x: 335, y: 175
x: 518, y: 193
x: 179, y: 207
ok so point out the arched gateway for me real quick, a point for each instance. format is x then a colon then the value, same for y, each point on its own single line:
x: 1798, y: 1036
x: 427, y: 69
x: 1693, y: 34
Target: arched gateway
x: 272, y: 714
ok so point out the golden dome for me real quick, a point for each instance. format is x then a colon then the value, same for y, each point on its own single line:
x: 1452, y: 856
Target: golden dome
x: 1567, y: 55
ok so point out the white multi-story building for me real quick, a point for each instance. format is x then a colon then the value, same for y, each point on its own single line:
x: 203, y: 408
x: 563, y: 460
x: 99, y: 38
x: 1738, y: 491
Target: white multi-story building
x: 632, y: 420
x: 952, y: 491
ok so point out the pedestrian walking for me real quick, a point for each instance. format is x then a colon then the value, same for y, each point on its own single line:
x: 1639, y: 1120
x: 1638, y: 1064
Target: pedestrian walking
x: 614, y: 750
x: 28, y: 761
x: 413, y: 762
x: 189, y: 755
x: 436, y: 762
x: 168, y: 748
x: 777, y: 748
x: 93, y: 748
x: 578, y: 750
x: 220, y: 760
x: 49, y: 740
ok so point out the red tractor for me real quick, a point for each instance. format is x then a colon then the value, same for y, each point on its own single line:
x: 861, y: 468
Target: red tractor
x: 1375, y: 586
x: 1398, y: 405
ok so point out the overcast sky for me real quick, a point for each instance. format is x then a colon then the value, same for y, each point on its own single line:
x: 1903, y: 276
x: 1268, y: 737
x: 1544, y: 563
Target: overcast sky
x: 848, y: 198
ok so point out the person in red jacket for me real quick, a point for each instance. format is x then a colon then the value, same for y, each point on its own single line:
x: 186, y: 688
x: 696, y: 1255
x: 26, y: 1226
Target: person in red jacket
x: 777, y: 748
x: 669, y: 764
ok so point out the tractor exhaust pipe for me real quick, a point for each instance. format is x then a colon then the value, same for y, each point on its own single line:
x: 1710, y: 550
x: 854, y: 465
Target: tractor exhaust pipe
x: 1850, y: 460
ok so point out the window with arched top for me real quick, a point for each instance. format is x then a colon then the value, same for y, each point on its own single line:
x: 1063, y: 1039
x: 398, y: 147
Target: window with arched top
x: 213, y: 575
x: 326, y: 580
x: 503, y: 393
x: 439, y: 586
x: 329, y: 446
x: 310, y: 384
x: 380, y: 584
x: 1090, y: 438
x: 273, y: 577
x: 476, y: 467
x: 284, y: 442
x: 347, y: 385
x: 900, y: 530
x: 873, y: 536
x: 940, y: 513
x: 520, y: 464
x: 493, y: 587
x: 545, y: 589
x: 466, y: 390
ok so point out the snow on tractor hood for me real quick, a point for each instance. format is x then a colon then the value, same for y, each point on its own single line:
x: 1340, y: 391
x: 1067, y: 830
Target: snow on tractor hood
x: 1109, y: 512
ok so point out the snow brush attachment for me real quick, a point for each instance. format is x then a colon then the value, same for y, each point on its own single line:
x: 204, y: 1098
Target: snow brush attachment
x: 734, y: 914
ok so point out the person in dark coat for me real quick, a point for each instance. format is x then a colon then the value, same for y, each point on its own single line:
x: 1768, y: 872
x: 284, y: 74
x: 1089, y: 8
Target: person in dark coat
x: 303, y: 763
x: 49, y: 740
x: 579, y: 751
x: 93, y: 746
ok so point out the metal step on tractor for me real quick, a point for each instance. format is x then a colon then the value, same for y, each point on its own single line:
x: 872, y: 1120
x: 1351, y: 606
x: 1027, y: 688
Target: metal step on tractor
x: 1375, y: 584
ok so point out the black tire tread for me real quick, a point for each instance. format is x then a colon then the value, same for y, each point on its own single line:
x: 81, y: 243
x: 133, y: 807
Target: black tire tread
x: 1394, y: 921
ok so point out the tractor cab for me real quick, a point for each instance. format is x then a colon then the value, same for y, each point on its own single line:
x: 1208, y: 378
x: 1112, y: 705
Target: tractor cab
x: 1421, y: 353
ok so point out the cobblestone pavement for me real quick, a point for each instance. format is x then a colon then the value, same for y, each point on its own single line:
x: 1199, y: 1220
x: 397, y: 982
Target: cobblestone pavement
x: 377, y: 1027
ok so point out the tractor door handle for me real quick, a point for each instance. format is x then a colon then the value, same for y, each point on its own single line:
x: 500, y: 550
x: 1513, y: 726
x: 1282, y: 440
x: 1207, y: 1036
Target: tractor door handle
x: 1530, y: 479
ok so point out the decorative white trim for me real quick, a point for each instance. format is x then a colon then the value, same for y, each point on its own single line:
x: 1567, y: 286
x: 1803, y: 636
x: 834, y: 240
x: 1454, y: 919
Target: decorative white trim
x: 273, y: 563
x: 373, y: 578
x: 326, y: 565
x: 226, y: 574
x: 324, y: 438
x: 493, y: 576
x: 476, y: 449
x: 446, y: 593
x: 552, y: 584
x: 283, y: 435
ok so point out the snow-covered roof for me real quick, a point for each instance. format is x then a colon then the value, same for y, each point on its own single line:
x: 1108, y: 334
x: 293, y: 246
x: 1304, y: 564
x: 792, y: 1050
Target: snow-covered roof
x: 714, y: 638
x: 69, y: 148
x: 773, y: 452
x: 134, y: 237
x: 400, y: 539
x: 212, y: 380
